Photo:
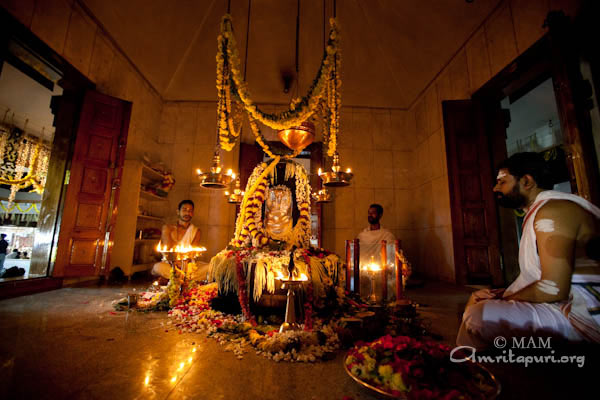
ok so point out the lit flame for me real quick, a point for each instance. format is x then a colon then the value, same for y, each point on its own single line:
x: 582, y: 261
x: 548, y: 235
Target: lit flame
x: 147, y: 380
x: 199, y: 171
x: 320, y: 172
x: 374, y: 267
x: 179, y: 249
x: 229, y: 172
x: 233, y: 175
x: 173, y: 379
x: 181, y: 366
x: 226, y: 193
x: 190, y: 360
x: 155, y: 283
x: 348, y: 170
x: 194, y: 350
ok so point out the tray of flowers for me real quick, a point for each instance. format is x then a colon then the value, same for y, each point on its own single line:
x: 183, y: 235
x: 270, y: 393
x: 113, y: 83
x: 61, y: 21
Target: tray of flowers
x: 406, y: 368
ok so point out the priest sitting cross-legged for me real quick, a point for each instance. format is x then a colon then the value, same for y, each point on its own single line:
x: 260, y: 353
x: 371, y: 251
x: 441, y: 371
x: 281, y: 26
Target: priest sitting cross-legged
x: 556, y: 293
x: 184, y: 234
x: 370, y: 245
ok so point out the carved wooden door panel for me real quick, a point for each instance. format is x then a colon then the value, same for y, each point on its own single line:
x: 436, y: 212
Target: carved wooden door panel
x: 90, y: 209
x: 474, y: 218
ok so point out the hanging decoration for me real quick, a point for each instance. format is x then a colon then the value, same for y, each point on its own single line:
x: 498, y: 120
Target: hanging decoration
x: 23, y: 161
x: 322, y: 97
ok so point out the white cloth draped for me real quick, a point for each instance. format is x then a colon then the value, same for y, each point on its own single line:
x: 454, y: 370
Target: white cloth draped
x: 370, y: 248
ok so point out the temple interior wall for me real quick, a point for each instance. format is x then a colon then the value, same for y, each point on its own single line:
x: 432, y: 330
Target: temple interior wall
x: 398, y: 156
x: 510, y: 30
x: 65, y: 27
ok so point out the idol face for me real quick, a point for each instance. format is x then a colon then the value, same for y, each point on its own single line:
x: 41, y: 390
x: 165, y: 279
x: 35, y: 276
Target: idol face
x: 508, y: 191
x: 373, y: 216
x: 185, y: 213
x: 278, y: 211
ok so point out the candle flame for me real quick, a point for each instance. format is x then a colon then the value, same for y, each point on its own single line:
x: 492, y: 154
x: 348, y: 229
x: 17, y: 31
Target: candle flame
x: 348, y: 170
x: 146, y: 380
x: 320, y: 172
x: 173, y: 379
x: 199, y: 171
x: 229, y: 172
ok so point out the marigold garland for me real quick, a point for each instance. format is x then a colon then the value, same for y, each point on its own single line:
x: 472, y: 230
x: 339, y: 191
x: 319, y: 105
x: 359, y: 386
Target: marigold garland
x: 322, y: 97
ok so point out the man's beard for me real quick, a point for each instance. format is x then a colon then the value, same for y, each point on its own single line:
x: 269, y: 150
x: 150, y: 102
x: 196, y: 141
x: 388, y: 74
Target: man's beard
x: 514, y: 199
x: 373, y: 220
x: 185, y: 218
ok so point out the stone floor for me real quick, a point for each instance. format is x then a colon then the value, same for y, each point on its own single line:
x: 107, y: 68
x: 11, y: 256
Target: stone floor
x: 69, y: 344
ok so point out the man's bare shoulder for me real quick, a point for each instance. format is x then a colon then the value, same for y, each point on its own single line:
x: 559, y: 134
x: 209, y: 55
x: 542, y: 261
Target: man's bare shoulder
x: 169, y: 227
x: 561, y: 208
x: 564, y: 214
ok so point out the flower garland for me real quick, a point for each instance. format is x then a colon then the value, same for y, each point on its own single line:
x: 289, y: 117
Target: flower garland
x: 308, y: 323
x: 231, y: 84
x: 249, y: 221
x: 33, y: 156
x: 242, y: 294
x: 8, y: 208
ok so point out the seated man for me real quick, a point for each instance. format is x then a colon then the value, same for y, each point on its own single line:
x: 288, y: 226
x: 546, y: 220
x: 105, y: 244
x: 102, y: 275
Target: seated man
x: 558, y: 283
x: 14, y: 254
x: 182, y: 233
x: 370, y: 248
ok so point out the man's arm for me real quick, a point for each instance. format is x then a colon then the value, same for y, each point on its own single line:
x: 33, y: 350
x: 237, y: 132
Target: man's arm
x: 165, y: 236
x: 556, y: 225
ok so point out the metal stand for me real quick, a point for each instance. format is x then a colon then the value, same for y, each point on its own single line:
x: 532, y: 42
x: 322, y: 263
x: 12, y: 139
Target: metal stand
x: 290, y: 323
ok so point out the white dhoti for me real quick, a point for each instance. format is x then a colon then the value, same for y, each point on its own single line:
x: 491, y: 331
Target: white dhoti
x: 370, y: 251
x: 486, y: 317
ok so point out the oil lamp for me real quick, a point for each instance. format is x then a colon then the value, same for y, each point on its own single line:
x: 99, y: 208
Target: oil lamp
x: 337, y: 177
x: 237, y: 195
x: 215, y: 178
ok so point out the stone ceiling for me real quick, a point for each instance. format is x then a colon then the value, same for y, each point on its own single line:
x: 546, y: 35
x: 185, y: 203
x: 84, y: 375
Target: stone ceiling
x: 391, y: 49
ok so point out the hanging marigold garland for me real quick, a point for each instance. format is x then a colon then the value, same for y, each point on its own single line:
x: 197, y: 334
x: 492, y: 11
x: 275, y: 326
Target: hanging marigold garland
x: 231, y: 86
x: 31, y: 156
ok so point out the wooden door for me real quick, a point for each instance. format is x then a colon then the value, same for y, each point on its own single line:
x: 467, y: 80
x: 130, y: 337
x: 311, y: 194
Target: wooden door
x: 250, y: 156
x: 474, y: 218
x: 93, y: 180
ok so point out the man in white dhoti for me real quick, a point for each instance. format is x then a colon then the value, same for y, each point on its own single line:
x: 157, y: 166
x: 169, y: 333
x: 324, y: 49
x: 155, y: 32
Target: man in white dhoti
x: 182, y: 233
x: 557, y: 291
x: 370, y: 249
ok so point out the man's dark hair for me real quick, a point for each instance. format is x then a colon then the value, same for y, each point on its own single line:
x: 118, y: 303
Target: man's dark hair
x: 184, y: 202
x: 378, y: 207
x: 521, y: 164
x: 3, y: 235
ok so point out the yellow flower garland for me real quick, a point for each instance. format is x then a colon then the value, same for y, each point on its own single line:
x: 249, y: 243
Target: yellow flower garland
x: 230, y: 83
x: 249, y: 224
x: 27, y: 179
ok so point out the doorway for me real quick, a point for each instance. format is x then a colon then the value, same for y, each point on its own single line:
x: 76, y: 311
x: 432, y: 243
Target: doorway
x: 534, y: 104
x: 27, y: 134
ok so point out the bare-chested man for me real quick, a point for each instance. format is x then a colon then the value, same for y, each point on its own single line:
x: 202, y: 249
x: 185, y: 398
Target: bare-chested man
x: 182, y: 233
x: 555, y: 294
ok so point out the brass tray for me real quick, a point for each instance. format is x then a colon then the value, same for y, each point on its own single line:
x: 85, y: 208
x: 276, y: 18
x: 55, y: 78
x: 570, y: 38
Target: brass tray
x: 490, y: 395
